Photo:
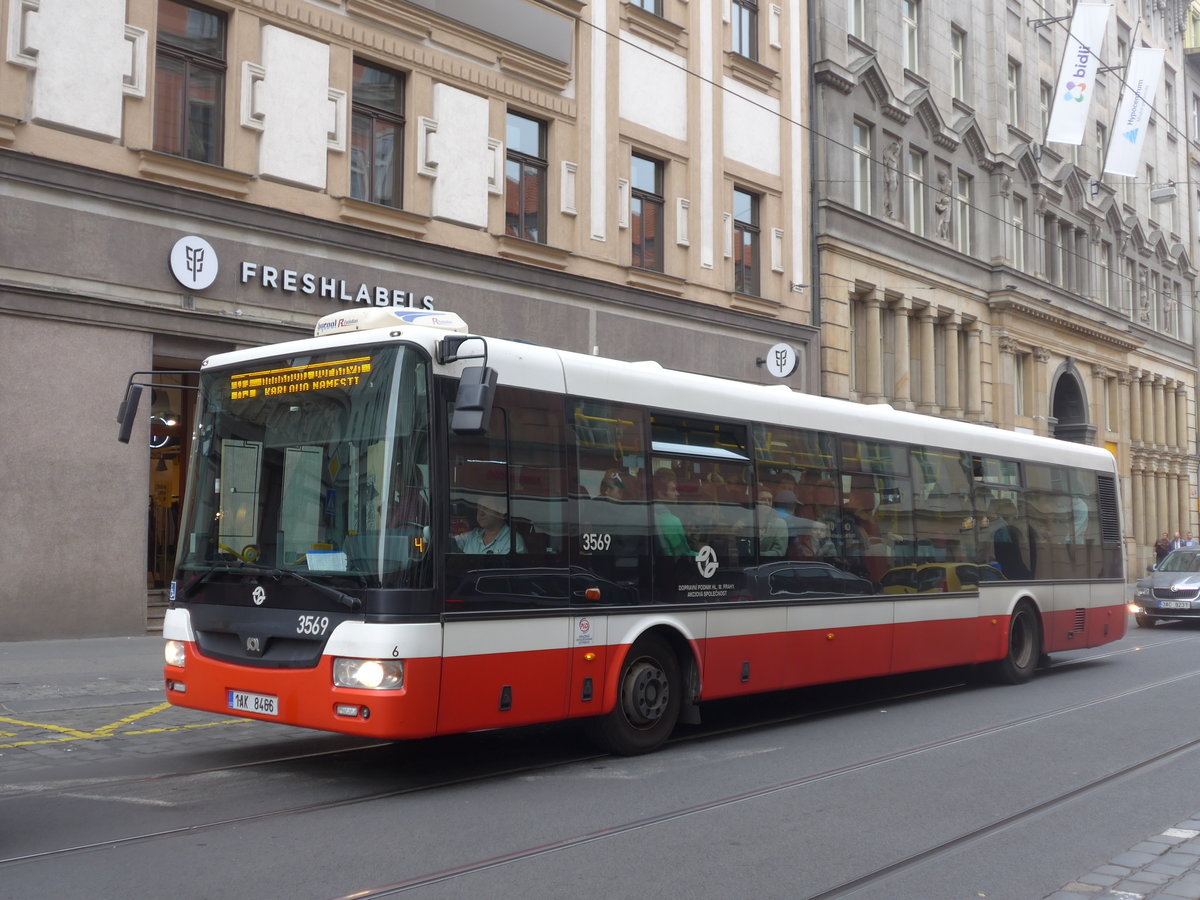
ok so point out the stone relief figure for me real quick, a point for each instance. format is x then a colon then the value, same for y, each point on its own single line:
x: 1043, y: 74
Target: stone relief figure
x: 891, y: 178
x: 942, y: 206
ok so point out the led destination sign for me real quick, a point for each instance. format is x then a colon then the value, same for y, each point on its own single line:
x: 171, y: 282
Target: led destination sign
x: 336, y: 374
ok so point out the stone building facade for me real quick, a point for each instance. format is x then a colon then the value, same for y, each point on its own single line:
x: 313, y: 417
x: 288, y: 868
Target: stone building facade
x: 970, y: 269
x: 182, y: 177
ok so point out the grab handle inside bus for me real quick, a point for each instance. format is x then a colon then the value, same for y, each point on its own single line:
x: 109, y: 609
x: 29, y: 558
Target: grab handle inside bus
x: 473, y: 403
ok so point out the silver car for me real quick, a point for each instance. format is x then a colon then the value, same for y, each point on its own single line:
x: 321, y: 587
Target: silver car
x: 1171, y: 590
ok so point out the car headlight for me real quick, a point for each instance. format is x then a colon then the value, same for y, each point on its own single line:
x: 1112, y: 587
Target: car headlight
x: 174, y: 654
x: 1141, y: 592
x: 372, y: 674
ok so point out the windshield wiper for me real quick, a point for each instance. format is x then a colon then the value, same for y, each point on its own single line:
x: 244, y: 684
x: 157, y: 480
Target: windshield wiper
x: 352, y: 603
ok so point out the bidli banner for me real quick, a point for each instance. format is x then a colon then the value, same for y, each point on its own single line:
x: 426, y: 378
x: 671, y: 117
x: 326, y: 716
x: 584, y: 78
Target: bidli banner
x: 1077, y: 76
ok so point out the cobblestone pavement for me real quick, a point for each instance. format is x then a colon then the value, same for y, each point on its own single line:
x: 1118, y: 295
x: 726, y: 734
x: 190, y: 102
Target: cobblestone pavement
x: 1165, y: 866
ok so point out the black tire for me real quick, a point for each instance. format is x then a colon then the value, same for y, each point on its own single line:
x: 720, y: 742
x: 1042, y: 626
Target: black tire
x: 1145, y: 621
x: 1024, y: 646
x: 649, y: 697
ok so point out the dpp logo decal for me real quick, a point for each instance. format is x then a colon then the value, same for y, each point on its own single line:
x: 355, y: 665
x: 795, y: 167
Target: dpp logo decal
x: 1075, y: 91
x: 194, y: 263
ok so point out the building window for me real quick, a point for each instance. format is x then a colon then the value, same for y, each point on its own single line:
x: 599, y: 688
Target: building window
x: 914, y: 189
x: 1020, y: 361
x: 525, y: 177
x: 189, y: 82
x: 1018, y: 233
x: 963, y: 191
x: 1104, y: 288
x: 1014, y: 93
x: 862, y: 166
x: 1101, y: 145
x: 958, y: 64
x: 745, y: 242
x: 646, y: 212
x: 856, y: 19
x: 745, y: 28
x: 650, y: 6
x: 1045, y: 104
x: 377, y: 139
x: 910, y: 17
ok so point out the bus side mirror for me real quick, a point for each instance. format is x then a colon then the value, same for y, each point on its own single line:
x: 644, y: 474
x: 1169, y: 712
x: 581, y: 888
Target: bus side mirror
x: 473, y: 403
x: 127, y: 412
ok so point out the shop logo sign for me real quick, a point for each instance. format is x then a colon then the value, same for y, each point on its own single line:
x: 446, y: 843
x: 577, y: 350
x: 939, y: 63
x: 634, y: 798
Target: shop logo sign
x: 194, y: 263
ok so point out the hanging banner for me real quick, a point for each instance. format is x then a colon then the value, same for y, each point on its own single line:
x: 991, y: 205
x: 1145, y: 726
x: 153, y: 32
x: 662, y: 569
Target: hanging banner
x: 1133, y: 116
x: 1077, y: 77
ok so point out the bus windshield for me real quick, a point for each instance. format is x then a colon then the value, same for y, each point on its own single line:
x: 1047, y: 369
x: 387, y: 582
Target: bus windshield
x: 314, y: 465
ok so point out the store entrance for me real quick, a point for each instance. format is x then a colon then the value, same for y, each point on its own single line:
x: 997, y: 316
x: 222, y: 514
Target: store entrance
x: 171, y: 414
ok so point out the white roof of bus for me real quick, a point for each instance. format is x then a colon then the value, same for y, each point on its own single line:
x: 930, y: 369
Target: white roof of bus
x: 648, y: 384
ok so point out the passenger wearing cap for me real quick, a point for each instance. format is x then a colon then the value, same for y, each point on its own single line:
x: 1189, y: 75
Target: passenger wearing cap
x: 493, y: 534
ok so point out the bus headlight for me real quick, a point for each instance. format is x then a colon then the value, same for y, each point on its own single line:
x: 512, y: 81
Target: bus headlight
x: 373, y: 674
x: 173, y: 653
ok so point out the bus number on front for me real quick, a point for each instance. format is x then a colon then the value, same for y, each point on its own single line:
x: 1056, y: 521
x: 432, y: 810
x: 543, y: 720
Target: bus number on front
x: 315, y: 625
x: 596, y: 541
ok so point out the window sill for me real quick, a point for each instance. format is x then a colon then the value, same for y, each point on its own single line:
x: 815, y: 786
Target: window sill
x: 192, y: 174
x: 655, y: 281
x: 751, y: 72
x: 762, y: 306
x: 537, y: 254
x: 381, y: 218
x: 652, y: 27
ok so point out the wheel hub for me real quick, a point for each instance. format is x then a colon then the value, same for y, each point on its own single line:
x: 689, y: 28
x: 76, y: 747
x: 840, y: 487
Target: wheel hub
x: 646, y: 693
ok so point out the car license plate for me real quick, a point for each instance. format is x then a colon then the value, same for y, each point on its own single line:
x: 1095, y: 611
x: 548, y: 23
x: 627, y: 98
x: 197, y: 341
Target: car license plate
x: 263, y: 704
x: 1174, y: 604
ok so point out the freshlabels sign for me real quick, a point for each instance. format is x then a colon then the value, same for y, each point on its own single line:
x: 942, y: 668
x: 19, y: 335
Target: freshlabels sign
x: 782, y: 360
x: 194, y: 263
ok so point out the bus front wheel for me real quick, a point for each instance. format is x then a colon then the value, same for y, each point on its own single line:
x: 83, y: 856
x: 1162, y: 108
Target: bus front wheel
x: 1024, y: 646
x: 649, y: 696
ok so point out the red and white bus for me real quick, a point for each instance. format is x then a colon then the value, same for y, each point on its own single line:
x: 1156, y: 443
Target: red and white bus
x: 398, y: 529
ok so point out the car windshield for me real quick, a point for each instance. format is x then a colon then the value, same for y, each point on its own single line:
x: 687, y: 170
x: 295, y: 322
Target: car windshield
x: 315, y: 465
x: 1188, y: 561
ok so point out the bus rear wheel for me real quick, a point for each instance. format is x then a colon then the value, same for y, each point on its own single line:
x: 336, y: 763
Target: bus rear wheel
x: 649, y: 696
x: 1024, y: 646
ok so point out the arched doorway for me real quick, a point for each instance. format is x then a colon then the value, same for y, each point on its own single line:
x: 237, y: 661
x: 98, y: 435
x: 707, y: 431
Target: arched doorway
x: 1069, y: 407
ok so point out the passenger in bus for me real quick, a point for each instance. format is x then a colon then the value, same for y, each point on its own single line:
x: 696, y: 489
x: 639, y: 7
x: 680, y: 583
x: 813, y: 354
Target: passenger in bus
x: 1010, y: 547
x: 668, y: 529
x: 772, y: 530
x: 493, y: 535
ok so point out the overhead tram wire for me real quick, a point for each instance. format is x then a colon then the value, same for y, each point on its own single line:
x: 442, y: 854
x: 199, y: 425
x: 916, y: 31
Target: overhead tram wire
x: 934, y: 191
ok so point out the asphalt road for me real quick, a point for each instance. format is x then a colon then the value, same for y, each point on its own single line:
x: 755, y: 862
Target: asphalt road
x: 928, y: 787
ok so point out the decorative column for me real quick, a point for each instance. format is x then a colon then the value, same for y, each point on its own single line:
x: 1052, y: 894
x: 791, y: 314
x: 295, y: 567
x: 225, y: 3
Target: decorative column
x: 1101, y: 376
x: 873, y: 348
x: 1134, y: 383
x: 1174, y: 514
x: 1147, y: 409
x: 974, y: 371
x: 1163, y: 509
x: 1181, y: 415
x: 1183, y: 488
x: 1006, y: 386
x: 1041, y: 405
x: 1137, y: 505
x: 928, y: 399
x: 950, y: 335
x: 1160, y: 418
x: 1169, y: 409
x: 902, y: 394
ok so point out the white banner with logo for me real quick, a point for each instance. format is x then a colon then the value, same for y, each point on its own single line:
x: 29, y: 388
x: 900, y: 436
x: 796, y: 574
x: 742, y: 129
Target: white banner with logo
x: 1133, y: 116
x: 1077, y: 77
